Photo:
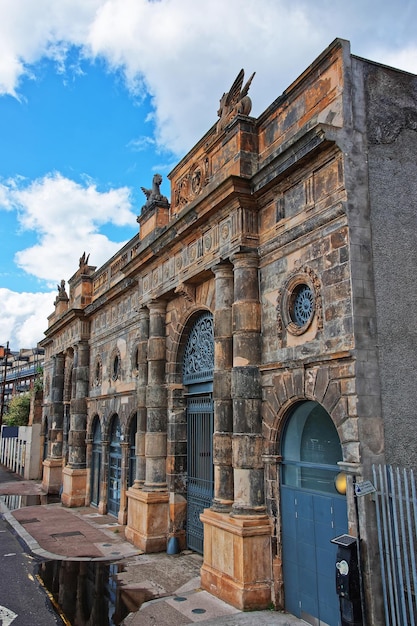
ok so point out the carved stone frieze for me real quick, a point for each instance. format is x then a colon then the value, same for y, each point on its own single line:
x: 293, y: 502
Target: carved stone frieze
x: 191, y: 184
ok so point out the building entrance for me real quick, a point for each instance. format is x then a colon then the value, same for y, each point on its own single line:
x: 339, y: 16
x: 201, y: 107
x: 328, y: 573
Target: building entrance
x: 198, y: 378
x: 115, y: 468
x: 96, y: 464
x: 313, y: 512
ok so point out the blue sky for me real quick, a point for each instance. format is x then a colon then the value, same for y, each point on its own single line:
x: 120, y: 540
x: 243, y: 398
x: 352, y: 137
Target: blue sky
x: 98, y: 95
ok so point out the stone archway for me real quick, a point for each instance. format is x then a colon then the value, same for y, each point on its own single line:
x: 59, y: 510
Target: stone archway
x: 313, y: 511
x: 197, y: 375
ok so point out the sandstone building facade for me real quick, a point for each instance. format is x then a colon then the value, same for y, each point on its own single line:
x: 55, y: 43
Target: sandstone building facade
x: 254, y: 341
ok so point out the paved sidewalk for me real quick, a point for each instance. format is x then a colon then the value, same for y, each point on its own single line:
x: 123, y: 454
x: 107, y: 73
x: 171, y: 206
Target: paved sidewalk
x: 166, y: 587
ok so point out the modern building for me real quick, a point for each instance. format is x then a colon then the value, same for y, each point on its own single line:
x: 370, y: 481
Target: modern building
x: 18, y: 372
x: 237, y: 366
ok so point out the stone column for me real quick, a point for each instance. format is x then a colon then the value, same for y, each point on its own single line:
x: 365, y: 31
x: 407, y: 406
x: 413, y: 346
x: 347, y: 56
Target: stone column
x: 104, y: 473
x: 75, y: 473
x: 246, y: 388
x: 243, y: 578
x: 156, y: 401
x: 223, y: 408
x: 141, y: 384
x: 122, y: 514
x: 52, y: 465
x: 147, y: 525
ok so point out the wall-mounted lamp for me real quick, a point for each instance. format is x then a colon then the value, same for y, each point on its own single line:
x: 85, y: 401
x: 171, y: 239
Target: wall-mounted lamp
x: 340, y: 482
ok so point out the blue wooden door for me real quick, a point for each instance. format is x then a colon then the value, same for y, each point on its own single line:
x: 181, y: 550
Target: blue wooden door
x: 309, y: 522
x: 312, y: 513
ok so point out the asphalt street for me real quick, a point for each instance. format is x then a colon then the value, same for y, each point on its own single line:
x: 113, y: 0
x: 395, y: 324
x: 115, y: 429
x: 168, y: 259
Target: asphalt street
x: 23, y: 601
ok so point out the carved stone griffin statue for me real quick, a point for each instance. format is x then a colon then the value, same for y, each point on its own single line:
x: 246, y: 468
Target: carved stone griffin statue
x: 234, y: 102
x: 154, y: 195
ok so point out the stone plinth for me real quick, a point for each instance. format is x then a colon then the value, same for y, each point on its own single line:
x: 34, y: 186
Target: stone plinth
x: 52, y: 475
x: 147, y: 519
x: 237, y: 559
x: 74, y: 487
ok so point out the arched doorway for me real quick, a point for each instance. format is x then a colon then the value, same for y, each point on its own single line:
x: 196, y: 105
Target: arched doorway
x: 95, y: 477
x: 115, y: 467
x: 198, y: 364
x: 313, y: 512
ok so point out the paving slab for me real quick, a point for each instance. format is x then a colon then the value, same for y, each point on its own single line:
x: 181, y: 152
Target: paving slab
x: 162, y: 589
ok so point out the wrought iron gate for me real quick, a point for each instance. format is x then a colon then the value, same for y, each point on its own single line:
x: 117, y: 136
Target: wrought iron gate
x: 198, y: 365
x: 200, y: 466
x: 396, y: 508
x: 115, y: 469
x: 96, y: 465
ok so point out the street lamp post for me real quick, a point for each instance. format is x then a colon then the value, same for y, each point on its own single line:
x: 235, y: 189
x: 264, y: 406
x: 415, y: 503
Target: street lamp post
x: 3, y: 390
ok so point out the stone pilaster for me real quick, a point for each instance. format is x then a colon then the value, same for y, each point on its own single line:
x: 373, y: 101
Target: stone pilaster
x: 156, y: 401
x: 223, y: 408
x: 148, y: 511
x: 52, y: 465
x: 142, y: 381
x: 104, y: 473
x: 75, y: 473
x: 243, y: 577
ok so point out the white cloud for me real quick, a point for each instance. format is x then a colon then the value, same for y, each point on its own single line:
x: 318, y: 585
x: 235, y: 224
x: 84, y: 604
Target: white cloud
x: 185, y: 55
x: 406, y: 58
x: 66, y: 217
x: 23, y: 317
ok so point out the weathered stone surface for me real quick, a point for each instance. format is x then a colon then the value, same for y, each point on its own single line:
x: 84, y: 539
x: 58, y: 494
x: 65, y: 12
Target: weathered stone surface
x: 297, y: 232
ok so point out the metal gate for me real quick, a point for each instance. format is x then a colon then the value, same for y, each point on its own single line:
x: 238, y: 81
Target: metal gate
x: 396, y: 509
x: 198, y: 365
x: 115, y: 469
x: 200, y: 483
x: 96, y: 464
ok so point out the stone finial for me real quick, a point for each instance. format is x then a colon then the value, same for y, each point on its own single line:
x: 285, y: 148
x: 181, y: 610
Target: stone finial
x: 234, y: 102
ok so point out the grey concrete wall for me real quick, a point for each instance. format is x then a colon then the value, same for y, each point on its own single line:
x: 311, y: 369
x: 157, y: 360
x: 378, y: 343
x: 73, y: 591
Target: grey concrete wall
x: 391, y: 104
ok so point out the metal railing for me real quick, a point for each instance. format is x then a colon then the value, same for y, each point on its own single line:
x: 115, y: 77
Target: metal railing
x: 396, y: 511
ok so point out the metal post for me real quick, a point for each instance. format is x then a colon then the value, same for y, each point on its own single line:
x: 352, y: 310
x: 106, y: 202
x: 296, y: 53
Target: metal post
x: 3, y: 391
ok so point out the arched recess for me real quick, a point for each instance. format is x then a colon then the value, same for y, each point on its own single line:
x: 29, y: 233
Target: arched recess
x: 197, y: 378
x: 115, y: 467
x: 313, y: 511
x: 95, y: 476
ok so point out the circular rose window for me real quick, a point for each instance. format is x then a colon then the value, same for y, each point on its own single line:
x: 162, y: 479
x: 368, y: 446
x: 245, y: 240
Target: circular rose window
x: 301, y: 305
x: 299, y: 302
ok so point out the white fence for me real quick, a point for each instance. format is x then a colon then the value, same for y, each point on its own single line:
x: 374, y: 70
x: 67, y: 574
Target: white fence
x: 20, y: 450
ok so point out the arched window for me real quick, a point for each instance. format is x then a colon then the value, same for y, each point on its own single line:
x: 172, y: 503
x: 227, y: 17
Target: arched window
x: 311, y: 449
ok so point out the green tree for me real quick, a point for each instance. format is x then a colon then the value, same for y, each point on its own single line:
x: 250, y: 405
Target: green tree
x: 18, y: 413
